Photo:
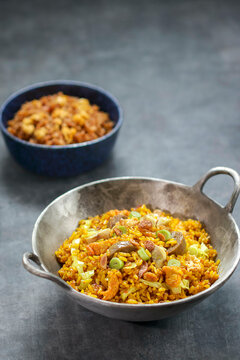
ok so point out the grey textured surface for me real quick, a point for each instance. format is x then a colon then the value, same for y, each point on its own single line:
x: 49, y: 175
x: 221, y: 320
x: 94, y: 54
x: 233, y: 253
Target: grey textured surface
x: 175, y: 68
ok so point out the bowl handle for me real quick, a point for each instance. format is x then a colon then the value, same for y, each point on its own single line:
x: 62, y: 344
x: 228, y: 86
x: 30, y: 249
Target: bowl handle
x: 27, y: 260
x: 227, y: 171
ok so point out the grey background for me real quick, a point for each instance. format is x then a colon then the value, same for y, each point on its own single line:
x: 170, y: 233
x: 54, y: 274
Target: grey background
x: 175, y: 68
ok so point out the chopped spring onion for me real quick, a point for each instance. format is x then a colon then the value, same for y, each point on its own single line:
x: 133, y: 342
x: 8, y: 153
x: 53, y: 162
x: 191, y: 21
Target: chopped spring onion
x: 126, y: 293
x: 84, y: 284
x: 134, y: 214
x: 143, y: 255
x: 154, y: 284
x: 173, y: 262
x: 116, y: 263
x: 87, y: 275
x: 123, y: 229
x: 193, y: 250
x: 165, y: 233
x: 198, y: 251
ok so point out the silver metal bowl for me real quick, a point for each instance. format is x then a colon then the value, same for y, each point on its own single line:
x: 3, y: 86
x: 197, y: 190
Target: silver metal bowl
x: 61, y: 217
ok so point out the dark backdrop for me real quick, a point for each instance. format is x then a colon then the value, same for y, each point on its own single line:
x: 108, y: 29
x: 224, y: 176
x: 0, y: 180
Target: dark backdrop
x: 175, y: 68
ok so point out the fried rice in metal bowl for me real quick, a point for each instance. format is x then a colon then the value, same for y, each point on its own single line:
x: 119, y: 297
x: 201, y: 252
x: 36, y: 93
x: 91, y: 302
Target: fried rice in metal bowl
x: 138, y: 256
x: 175, y: 250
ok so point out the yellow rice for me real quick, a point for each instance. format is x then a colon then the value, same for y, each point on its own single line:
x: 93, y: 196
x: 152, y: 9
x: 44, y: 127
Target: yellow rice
x: 199, y: 277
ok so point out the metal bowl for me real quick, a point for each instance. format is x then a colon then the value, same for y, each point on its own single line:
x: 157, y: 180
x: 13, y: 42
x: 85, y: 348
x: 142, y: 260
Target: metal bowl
x: 61, y: 217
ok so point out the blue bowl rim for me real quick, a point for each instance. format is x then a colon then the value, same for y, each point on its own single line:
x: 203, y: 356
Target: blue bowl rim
x: 61, y: 82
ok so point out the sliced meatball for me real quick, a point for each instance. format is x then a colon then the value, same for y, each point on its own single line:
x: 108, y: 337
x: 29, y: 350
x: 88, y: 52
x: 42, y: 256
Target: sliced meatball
x: 180, y: 247
x: 121, y: 246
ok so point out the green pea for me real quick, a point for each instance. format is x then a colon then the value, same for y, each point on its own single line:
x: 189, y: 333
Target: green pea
x: 166, y: 234
x: 116, y: 263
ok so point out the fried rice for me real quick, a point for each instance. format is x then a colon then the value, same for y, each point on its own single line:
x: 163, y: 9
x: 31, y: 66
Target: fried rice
x: 138, y: 256
x: 59, y: 119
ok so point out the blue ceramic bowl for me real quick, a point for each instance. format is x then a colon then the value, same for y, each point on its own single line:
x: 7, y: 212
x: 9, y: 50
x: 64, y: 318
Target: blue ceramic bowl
x: 65, y: 160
